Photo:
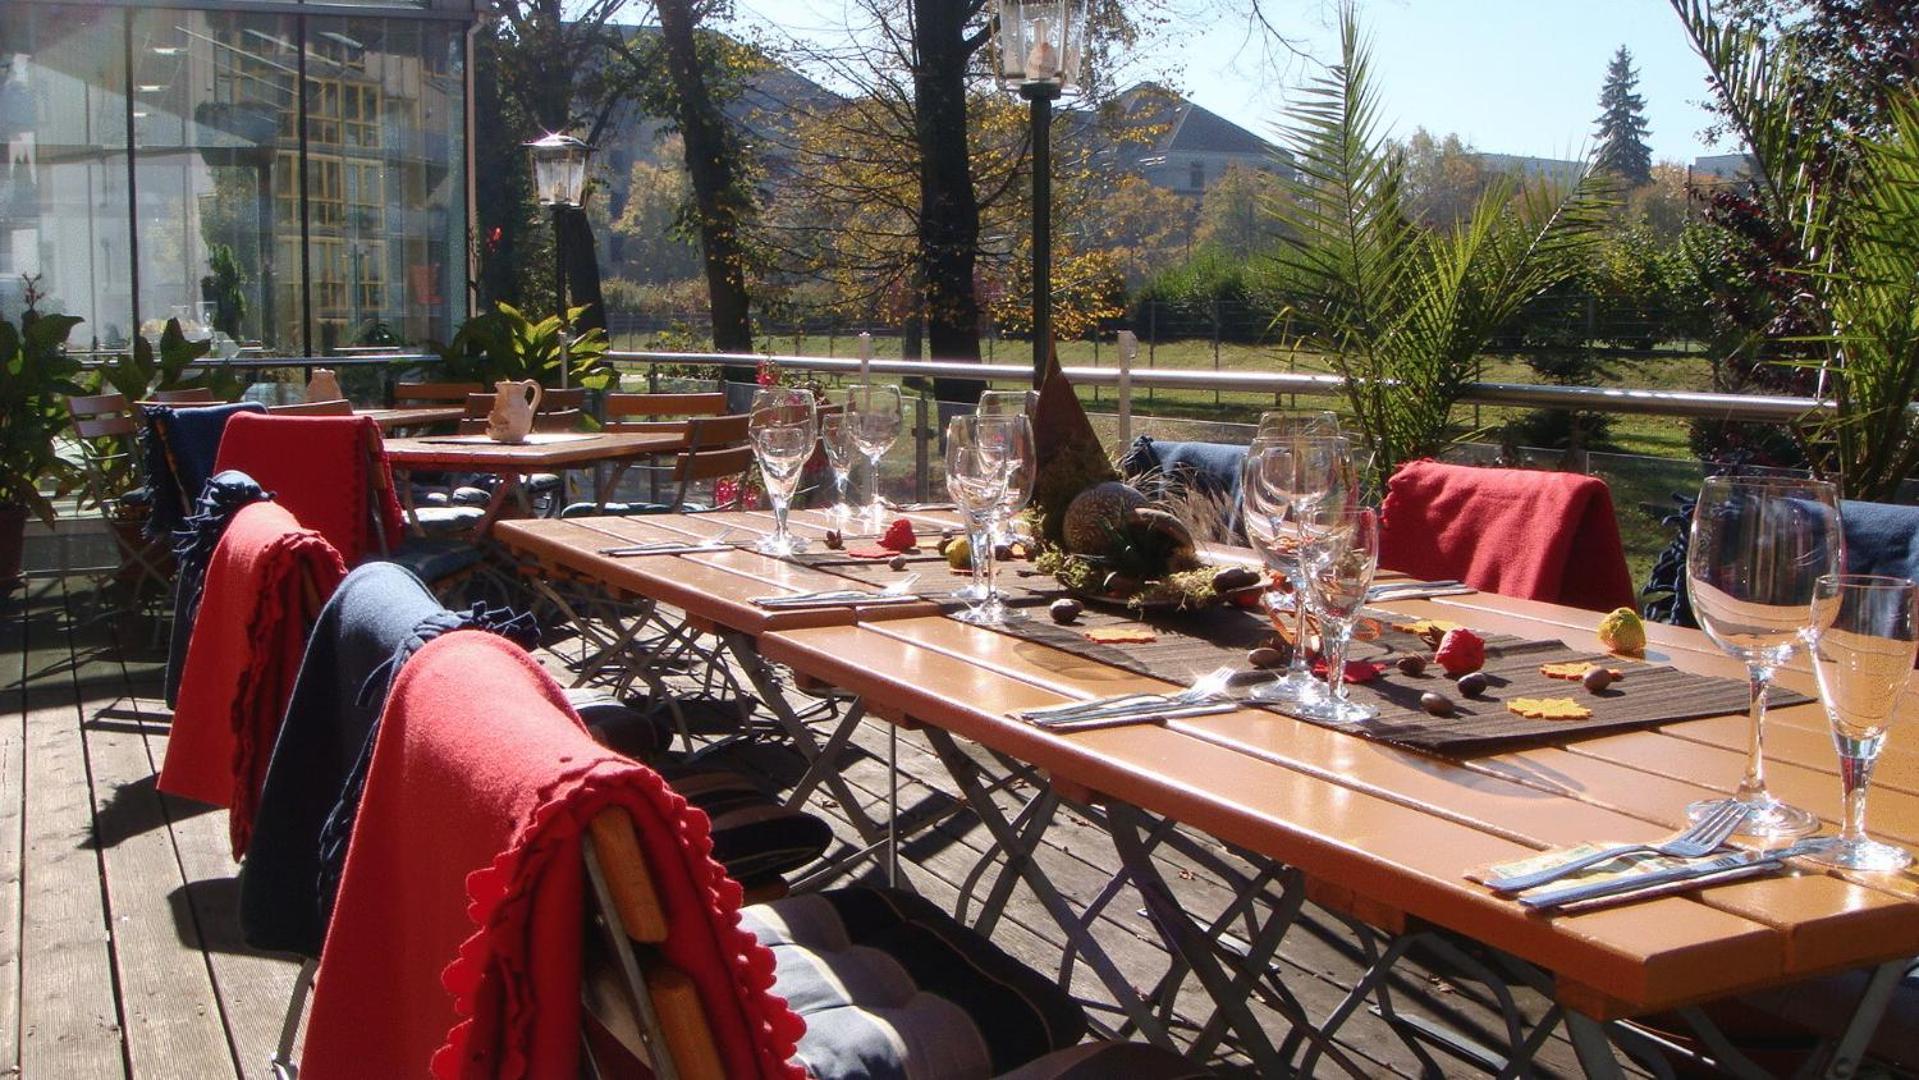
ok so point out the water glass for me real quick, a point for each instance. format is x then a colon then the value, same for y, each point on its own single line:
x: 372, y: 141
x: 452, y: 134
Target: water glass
x: 1339, y: 552
x: 1759, y: 546
x: 1291, y: 476
x: 783, y: 428
x: 982, y: 454
x: 1863, y: 645
x: 873, y: 422
x: 836, y: 440
x: 1019, y: 485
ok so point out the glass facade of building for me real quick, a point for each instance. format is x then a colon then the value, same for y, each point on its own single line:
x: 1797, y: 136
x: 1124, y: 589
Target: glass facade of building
x: 292, y: 181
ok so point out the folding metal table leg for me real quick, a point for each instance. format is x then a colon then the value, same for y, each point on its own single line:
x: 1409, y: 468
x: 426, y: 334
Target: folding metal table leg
x: 965, y: 774
x: 818, y: 764
x: 1593, y: 1047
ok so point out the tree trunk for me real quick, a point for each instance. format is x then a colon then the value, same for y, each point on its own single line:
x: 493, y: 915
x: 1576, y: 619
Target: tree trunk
x: 949, y: 209
x: 716, y: 189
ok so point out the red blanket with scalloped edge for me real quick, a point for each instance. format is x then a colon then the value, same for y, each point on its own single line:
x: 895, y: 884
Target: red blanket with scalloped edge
x: 1516, y: 532
x: 330, y: 471
x: 456, y: 938
x: 255, y: 613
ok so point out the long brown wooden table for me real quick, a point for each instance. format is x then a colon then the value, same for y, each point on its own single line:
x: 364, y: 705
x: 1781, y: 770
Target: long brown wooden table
x: 1387, y: 834
x: 1382, y: 834
x: 413, y: 416
x: 514, y: 461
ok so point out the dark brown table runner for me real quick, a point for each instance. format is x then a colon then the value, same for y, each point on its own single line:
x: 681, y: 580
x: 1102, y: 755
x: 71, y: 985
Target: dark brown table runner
x: 1194, y: 643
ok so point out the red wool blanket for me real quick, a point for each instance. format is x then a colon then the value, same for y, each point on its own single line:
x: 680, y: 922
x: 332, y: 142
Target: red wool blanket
x: 1516, y: 532
x: 329, y: 471
x: 264, y: 587
x: 457, y: 936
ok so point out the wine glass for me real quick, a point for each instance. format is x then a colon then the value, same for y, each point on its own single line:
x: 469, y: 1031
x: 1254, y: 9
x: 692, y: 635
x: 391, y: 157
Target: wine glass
x: 783, y: 429
x: 836, y: 440
x: 1863, y: 645
x: 1291, y: 476
x: 1759, y: 547
x: 873, y: 421
x: 1019, y: 485
x: 981, y: 455
x: 1339, y: 552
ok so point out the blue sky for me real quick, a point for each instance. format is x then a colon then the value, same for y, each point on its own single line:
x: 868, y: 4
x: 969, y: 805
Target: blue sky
x: 1510, y: 76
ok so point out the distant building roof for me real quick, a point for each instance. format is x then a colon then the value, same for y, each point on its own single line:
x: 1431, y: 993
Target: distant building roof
x: 1188, y: 127
x: 1725, y: 166
x: 1533, y: 168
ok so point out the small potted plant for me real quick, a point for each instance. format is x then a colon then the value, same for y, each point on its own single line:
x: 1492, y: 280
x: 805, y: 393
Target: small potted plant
x: 36, y: 376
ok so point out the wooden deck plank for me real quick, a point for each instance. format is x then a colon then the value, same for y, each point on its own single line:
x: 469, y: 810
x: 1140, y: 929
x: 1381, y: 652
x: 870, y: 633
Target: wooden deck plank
x: 173, y: 1016
x: 70, y: 1023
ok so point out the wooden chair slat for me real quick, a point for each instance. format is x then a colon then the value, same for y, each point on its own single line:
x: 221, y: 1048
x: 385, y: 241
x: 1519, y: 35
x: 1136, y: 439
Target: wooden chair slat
x: 100, y: 427
x: 432, y: 393
x: 197, y: 395
x: 689, y: 1038
x: 96, y: 404
x: 619, y: 406
x: 335, y: 407
x: 627, y: 876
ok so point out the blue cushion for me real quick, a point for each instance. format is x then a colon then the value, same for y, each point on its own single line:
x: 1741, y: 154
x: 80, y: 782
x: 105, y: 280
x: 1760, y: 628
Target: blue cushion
x: 890, y: 985
x: 1881, y: 538
x: 434, y: 559
x: 1201, y: 467
x: 439, y: 521
x: 613, y: 509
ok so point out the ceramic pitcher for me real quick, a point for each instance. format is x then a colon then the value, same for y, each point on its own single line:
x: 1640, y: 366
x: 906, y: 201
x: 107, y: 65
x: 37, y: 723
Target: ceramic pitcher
x: 513, y: 406
x: 323, y: 386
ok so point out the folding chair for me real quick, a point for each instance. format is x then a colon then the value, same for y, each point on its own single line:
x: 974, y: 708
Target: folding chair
x: 335, y: 407
x: 888, y: 985
x: 110, y: 463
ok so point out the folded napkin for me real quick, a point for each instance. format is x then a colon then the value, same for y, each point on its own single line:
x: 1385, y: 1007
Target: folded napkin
x: 264, y: 587
x: 456, y: 941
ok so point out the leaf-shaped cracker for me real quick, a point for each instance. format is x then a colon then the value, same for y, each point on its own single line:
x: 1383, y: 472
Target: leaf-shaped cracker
x: 1549, y: 708
x: 1121, y: 635
x: 1575, y: 670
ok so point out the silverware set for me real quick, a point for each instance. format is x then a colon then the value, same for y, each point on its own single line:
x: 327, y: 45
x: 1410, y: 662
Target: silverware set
x: 899, y: 592
x: 1703, y: 837
x: 1207, y: 695
x: 1415, y: 590
x: 1731, y: 866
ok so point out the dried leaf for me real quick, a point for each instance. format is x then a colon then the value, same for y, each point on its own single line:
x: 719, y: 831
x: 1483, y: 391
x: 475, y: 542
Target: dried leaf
x: 1121, y: 635
x: 1549, y: 709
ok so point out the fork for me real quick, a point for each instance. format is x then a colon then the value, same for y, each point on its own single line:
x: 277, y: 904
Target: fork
x: 1206, y: 688
x: 1702, y: 837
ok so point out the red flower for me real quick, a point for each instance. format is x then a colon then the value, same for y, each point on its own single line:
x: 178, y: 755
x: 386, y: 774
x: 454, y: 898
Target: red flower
x: 899, y: 536
x: 1357, y: 671
x: 493, y: 237
x: 1461, y: 651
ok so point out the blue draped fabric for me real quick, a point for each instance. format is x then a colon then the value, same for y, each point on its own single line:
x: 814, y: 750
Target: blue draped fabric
x: 1207, y: 468
x: 181, y: 445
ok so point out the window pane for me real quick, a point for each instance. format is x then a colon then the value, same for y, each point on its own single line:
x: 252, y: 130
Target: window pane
x: 63, y: 183
x: 215, y: 114
x: 385, y: 139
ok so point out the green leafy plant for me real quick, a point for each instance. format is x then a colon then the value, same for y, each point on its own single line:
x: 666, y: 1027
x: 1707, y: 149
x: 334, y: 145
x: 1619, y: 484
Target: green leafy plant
x: 1840, y: 201
x: 36, y: 377
x: 505, y: 344
x: 135, y: 375
x: 1403, y: 311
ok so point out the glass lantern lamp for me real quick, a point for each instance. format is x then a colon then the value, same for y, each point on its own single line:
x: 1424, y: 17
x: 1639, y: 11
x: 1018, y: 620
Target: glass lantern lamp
x: 559, y: 169
x: 1041, y: 44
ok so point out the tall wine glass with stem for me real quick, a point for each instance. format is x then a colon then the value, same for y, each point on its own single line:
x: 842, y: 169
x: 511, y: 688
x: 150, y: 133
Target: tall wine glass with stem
x: 1019, y: 485
x: 1285, y: 424
x: 1339, y: 551
x: 838, y: 444
x: 873, y: 421
x: 981, y: 455
x: 1863, y: 643
x: 1289, y: 477
x: 783, y: 428
x: 1758, y: 549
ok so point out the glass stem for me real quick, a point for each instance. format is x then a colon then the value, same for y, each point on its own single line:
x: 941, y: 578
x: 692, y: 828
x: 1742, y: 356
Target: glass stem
x: 780, y: 503
x: 1299, y: 667
x: 1855, y: 772
x: 979, y: 542
x: 1752, y: 789
x: 1337, y: 639
x: 874, y: 507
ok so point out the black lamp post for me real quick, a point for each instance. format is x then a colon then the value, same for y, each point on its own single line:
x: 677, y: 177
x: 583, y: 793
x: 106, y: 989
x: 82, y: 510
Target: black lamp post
x: 1040, y: 44
x: 559, y: 181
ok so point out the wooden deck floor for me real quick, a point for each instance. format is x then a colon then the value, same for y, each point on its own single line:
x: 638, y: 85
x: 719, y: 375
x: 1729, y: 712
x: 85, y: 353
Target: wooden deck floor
x: 119, y: 949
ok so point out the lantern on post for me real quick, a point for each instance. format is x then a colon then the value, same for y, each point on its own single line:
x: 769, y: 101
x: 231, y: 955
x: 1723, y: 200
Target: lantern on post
x: 1040, y: 47
x: 559, y: 181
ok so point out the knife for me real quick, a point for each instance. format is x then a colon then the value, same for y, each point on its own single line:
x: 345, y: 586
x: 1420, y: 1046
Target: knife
x: 1134, y: 716
x: 1691, y: 874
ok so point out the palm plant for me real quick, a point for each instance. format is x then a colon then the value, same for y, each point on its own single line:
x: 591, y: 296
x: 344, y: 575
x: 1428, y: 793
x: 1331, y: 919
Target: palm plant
x: 1403, y: 311
x: 1850, y: 204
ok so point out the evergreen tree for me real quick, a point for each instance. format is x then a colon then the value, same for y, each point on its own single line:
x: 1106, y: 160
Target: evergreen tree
x: 1622, y: 124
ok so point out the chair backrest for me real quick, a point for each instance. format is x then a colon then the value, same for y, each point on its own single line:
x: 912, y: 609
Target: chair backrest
x: 335, y: 407
x: 106, y: 429
x: 196, y: 395
x: 330, y: 472
x: 658, y: 412
x: 716, y: 448
x: 432, y: 393
x: 101, y: 416
x: 650, y: 1008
